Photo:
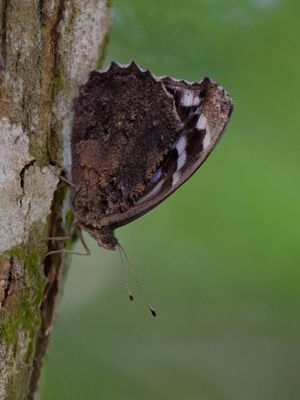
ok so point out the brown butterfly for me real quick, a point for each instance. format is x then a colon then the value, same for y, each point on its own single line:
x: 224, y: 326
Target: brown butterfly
x: 136, y: 138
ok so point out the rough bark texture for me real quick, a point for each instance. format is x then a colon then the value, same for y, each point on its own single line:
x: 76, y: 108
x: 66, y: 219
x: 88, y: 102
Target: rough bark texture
x: 47, y: 49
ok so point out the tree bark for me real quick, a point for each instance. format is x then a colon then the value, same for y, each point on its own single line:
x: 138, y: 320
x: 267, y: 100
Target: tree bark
x: 47, y: 49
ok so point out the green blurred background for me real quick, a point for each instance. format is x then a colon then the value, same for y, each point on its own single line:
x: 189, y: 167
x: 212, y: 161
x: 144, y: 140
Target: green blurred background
x: 220, y: 258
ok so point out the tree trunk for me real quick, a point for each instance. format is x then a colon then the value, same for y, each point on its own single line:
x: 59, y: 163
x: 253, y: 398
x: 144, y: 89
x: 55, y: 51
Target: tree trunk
x: 47, y: 49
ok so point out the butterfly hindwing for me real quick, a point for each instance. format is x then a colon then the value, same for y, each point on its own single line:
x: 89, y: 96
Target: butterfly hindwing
x: 204, y: 110
x: 137, y: 138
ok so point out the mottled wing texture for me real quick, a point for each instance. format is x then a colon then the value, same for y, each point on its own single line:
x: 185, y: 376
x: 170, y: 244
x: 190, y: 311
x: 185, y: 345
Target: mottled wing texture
x: 137, y: 138
x: 204, y: 110
x: 125, y: 123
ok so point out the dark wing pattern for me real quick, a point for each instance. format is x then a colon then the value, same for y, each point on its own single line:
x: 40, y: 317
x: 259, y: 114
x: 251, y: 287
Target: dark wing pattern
x: 204, y: 109
x: 136, y: 139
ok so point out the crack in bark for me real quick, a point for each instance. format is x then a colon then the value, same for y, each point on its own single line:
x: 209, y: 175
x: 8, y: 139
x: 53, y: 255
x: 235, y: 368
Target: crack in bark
x: 55, y: 38
x: 22, y: 178
x: 41, y: 12
x: 23, y: 171
x: 18, y: 59
x: 53, y: 272
x: 2, y: 66
x: 3, y: 28
x: 47, y: 307
x: 51, y: 265
x: 9, y: 282
x: 55, y: 34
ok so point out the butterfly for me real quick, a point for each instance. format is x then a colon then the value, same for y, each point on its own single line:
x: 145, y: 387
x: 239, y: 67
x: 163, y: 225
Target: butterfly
x: 136, y: 139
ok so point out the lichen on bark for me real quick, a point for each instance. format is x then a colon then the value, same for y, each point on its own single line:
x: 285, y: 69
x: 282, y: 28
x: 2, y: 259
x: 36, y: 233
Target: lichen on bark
x: 47, y: 49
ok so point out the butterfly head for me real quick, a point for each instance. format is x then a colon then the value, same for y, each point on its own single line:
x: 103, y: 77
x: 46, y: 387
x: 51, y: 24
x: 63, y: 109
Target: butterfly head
x: 105, y: 238
x: 104, y: 235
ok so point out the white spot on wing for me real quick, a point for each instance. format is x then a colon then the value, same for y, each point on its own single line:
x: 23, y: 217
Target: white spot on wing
x: 201, y: 126
x: 152, y: 192
x: 181, y: 153
x: 206, y: 140
x: 189, y: 99
x: 156, y: 176
x: 180, y: 147
x: 176, y: 177
x: 202, y: 122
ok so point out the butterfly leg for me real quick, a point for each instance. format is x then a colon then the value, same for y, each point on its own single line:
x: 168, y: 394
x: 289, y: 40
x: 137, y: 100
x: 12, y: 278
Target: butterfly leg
x: 57, y: 238
x: 63, y: 250
x: 68, y: 182
x: 71, y: 184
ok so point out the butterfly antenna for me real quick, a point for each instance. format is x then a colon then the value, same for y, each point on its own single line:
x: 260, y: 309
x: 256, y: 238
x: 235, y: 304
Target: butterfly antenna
x: 125, y: 275
x: 121, y: 250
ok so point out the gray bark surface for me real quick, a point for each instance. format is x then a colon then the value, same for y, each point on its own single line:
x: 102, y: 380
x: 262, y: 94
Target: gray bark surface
x: 47, y: 50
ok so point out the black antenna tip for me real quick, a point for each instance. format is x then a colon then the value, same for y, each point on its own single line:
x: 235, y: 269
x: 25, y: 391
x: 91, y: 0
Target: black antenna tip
x: 153, y: 312
x: 131, y: 298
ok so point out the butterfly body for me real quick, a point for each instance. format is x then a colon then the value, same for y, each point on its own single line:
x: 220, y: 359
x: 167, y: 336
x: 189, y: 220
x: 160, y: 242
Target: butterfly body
x: 136, y: 139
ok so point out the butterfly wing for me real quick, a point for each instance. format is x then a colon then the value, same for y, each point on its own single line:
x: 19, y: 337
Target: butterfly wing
x: 125, y: 122
x: 204, y: 110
